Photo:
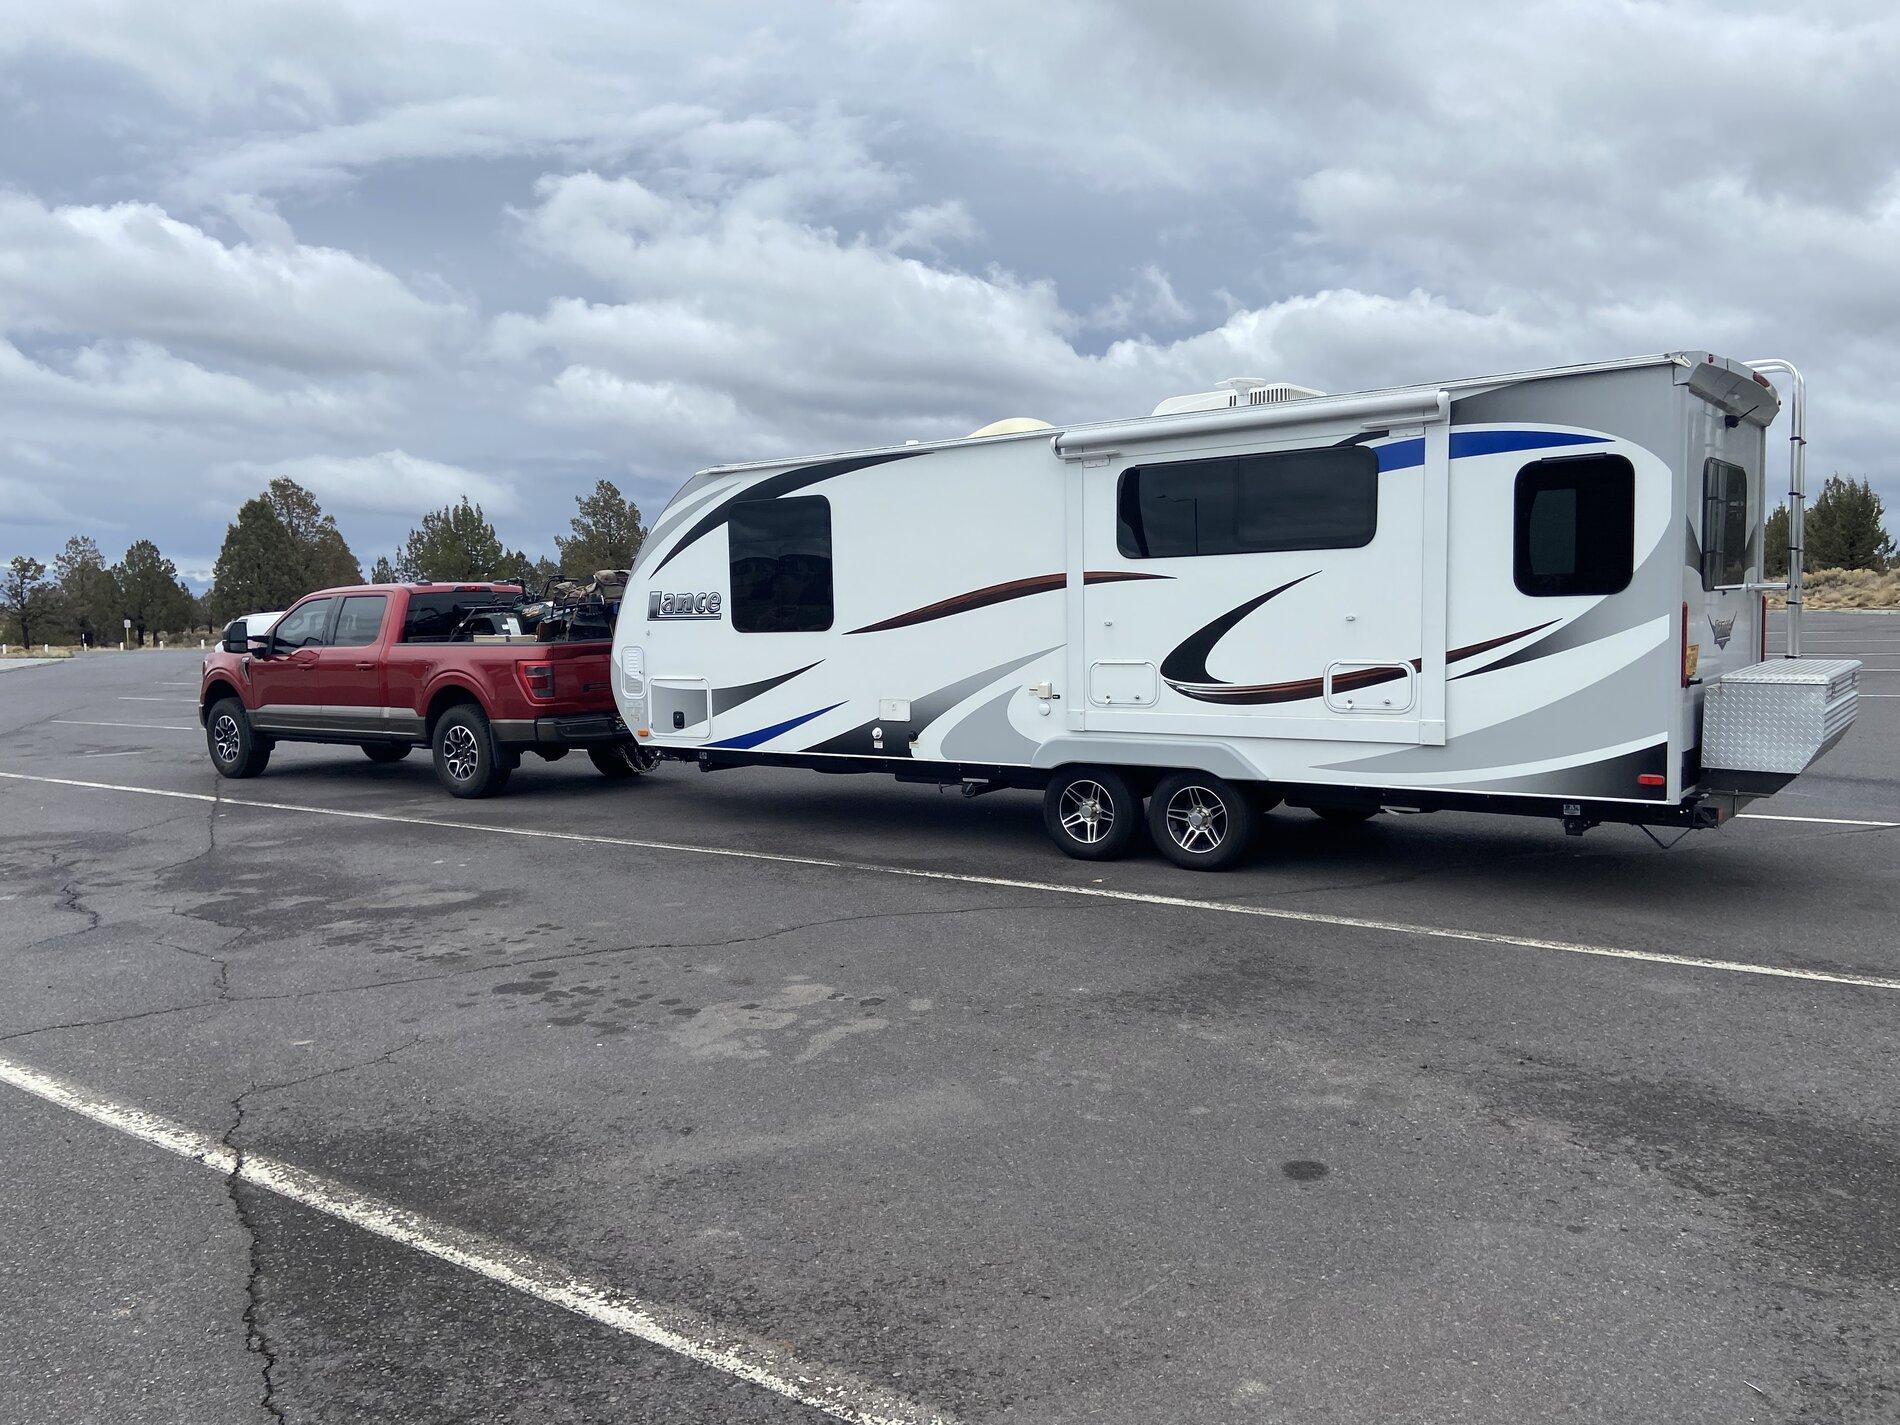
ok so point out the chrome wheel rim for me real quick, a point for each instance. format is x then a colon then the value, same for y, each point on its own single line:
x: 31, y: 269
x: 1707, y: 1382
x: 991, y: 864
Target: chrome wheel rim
x: 460, y: 752
x: 224, y: 737
x: 1196, y: 819
x: 1087, y: 811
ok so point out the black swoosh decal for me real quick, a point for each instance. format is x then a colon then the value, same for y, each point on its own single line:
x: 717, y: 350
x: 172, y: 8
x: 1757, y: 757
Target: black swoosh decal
x: 1188, y: 662
x: 774, y: 486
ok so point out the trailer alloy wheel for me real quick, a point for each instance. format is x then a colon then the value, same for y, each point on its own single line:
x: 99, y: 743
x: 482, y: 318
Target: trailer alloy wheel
x: 468, y: 761
x: 1200, y: 821
x: 236, y: 749
x: 1093, y: 813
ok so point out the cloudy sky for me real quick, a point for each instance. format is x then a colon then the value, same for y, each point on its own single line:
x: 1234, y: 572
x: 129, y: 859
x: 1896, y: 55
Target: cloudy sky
x: 407, y: 252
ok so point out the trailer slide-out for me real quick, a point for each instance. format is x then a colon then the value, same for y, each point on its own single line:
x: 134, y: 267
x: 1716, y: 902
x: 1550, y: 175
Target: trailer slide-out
x: 1538, y: 593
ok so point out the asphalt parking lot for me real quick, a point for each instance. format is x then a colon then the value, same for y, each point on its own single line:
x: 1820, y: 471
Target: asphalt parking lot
x: 760, y: 1095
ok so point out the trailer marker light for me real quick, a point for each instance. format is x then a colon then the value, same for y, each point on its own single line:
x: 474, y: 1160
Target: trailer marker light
x: 1651, y: 779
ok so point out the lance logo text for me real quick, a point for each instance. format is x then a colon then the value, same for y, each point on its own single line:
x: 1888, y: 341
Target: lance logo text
x: 700, y: 605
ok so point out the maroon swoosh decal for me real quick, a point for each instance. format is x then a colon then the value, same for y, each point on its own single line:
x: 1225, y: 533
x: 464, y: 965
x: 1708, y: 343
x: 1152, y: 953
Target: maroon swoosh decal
x: 997, y: 594
x: 1300, y: 689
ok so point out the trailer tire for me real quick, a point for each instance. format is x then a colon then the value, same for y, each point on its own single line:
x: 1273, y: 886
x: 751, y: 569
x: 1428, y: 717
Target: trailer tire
x: 1093, y: 813
x: 1199, y: 821
x: 468, y: 760
x: 237, y: 749
x: 623, y: 760
x: 382, y: 753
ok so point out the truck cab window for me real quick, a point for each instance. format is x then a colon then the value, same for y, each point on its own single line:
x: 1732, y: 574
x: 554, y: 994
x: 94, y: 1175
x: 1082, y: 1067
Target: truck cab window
x: 1575, y: 526
x: 1724, y: 524
x: 360, y: 620
x: 780, y: 553
x: 433, y: 618
x: 306, y: 626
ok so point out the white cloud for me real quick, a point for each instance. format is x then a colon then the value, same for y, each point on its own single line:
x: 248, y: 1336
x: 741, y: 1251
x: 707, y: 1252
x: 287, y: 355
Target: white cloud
x: 131, y: 270
x: 390, y: 482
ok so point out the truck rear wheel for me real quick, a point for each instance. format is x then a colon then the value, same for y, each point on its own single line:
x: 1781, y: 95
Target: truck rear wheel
x: 236, y: 749
x: 1200, y: 821
x: 468, y: 760
x: 1094, y: 813
x: 385, y: 751
x: 623, y: 760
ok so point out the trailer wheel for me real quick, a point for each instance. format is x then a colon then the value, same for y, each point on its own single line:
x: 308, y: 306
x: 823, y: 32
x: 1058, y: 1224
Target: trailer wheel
x: 623, y: 760
x: 235, y: 746
x: 381, y: 752
x: 1093, y: 813
x: 468, y: 760
x: 1200, y: 821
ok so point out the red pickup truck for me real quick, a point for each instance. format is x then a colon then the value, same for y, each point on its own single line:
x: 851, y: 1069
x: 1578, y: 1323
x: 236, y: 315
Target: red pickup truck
x: 393, y: 667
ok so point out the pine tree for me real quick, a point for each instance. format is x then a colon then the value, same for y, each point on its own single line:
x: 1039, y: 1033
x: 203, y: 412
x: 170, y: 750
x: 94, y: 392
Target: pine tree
x: 260, y: 569
x: 88, y: 599
x: 608, y: 533
x: 1775, y: 541
x: 25, y: 596
x: 148, y: 589
x: 455, y: 543
x: 1845, y: 528
x: 383, y: 572
x: 325, y: 558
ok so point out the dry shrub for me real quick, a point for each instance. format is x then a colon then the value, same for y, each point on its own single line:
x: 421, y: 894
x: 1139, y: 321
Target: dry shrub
x: 1848, y: 589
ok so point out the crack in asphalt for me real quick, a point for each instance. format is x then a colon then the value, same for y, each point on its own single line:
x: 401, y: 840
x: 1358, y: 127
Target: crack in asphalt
x: 225, y: 999
x: 256, y: 1339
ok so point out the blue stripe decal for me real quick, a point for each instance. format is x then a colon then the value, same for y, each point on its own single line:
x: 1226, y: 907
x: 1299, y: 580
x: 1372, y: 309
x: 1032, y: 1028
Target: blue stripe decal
x: 766, y: 734
x: 1405, y: 454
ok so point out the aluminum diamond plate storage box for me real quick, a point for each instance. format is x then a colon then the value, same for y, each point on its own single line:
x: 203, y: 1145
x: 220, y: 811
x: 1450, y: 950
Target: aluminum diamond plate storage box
x: 1776, y: 717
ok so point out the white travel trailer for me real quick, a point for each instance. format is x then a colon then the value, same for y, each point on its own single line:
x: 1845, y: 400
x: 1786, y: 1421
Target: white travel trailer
x: 1537, y: 593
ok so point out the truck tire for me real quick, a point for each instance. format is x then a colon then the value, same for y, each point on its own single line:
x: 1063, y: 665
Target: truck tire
x: 235, y: 746
x: 1202, y: 822
x: 623, y: 760
x: 468, y: 760
x: 382, y: 752
x: 1093, y: 813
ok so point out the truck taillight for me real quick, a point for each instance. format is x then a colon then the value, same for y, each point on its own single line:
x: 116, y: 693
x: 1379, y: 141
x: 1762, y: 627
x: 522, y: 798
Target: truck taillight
x: 537, y: 680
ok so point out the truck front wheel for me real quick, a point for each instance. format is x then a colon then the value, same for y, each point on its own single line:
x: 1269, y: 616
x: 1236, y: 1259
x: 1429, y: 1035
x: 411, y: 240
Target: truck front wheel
x: 236, y: 749
x: 468, y: 760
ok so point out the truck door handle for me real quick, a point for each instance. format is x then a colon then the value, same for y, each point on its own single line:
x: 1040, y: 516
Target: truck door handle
x: 366, y: 666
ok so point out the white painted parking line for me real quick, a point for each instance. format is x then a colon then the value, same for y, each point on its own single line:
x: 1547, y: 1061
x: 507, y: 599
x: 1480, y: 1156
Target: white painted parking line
x: 153, y: 726
x: 685, y: 1333
x: 148, y: 698
x: 1305, y: 917
x: 1820, y: 820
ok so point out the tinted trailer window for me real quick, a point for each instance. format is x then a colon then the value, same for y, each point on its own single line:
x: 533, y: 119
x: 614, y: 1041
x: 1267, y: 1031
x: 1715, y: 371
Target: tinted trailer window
x: 1575, y: 526
x: 1249, y: 504
x: 780, y: 553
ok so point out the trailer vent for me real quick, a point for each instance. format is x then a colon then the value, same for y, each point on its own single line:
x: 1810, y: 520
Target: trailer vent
x: 1237, y: 391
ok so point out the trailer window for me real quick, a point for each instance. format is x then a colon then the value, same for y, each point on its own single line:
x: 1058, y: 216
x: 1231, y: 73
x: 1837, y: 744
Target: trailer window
x: 1724, y: 523
x: 1249, y: 504
x: 781, y: 565
x: 1575, y: 526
